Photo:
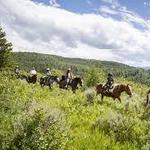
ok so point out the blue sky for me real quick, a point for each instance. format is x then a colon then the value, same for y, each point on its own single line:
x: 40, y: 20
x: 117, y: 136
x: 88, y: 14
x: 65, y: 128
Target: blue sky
x: 142, y: 7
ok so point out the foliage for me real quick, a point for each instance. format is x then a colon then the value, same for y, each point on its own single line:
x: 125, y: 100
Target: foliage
x: 5, y: 50
x: 27, y: 124
x: 38, y: 118
x: 40, y: 130
x: 93, y: 76
x: 90, y: 96
x: 81, y: 66
x: 123, y: 128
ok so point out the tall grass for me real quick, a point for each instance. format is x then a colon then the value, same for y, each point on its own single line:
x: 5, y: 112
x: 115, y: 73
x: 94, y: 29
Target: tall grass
x: 38, y: 118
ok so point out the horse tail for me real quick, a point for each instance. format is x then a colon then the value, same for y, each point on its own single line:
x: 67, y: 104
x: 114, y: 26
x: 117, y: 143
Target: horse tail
x: 97, y: 86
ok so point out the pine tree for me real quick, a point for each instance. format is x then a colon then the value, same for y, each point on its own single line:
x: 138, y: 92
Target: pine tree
x: 5, y: 50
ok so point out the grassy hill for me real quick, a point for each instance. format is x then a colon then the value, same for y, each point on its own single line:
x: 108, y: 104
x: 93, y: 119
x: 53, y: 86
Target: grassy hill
x: 36, y: 118
x: 81, y: 66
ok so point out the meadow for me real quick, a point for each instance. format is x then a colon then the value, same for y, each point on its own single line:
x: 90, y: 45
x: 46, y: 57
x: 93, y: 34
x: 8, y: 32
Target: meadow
x: 35, y: 118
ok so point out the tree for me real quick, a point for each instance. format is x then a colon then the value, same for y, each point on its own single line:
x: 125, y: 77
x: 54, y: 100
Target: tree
x: 93, y: 76
x: 5, y: 50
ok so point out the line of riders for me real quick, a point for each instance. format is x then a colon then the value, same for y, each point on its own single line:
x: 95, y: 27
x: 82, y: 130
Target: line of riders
x: 108, y: 89
x: 48, y: 79
x: 48, y: 75
x: 65, y: 78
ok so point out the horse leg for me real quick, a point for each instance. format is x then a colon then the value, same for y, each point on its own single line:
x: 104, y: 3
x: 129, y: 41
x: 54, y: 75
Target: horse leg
x: 102, y: 97
x: 73, y: 90
x: 119, y: 99
x: 50, y: 87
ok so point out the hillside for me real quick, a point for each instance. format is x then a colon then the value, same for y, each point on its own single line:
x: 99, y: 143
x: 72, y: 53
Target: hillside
x: 38, y: 118
x: 81, y: 66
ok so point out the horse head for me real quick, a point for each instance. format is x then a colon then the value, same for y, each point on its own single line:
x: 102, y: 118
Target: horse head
x: 79, y: 80
x: 128, y: 90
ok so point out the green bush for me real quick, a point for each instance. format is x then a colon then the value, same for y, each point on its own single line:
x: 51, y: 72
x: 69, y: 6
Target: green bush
x: 124, y: 129
x: 90, y: 95
x: 40, y: 130
x: 93, y: 76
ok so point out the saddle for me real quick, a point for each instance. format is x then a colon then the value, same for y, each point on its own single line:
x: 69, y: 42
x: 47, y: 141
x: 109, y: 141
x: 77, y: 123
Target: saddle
x: 107, y: 89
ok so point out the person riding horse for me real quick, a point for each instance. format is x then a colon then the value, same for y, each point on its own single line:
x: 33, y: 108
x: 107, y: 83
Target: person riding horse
x: 109, y: 84
x: 33, y: 75
x: 17, y: 71
x: 33, y: 72
x: 69, y: 76
x: 48, y: 74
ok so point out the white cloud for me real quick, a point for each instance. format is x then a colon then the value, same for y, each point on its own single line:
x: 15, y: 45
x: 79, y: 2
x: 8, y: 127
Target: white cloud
x: 114, y: 3
x: 40, y: 28
x: 124, y: 15
x: 54, y: 3
x: 107, y: 10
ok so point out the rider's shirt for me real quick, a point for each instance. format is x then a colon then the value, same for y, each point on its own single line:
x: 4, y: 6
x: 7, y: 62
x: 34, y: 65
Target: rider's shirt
x: 48, y: 74
x: 110, y: 80
x: 33, y: 72
x: 17, y: 71
x: 69, y: 75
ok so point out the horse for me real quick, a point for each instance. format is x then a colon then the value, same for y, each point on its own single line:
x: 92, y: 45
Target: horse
x: 115, y: 92
x: 148, y: 98
x: 29, y: 79
x: 48, y: 81
x: 73, y: 84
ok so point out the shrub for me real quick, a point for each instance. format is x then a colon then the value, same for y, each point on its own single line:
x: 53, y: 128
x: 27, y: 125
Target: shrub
x: 90, y: 95
x: 40, y: 129
x: 124, y: 129
x: 92, y: 77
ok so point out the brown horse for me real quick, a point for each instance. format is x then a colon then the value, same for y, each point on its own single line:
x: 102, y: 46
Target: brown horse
x: 73, y: 84
x: 115, y: 92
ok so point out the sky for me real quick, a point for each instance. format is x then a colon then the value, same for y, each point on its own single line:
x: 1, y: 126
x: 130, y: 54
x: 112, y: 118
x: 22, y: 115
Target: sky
x: 112, y: 30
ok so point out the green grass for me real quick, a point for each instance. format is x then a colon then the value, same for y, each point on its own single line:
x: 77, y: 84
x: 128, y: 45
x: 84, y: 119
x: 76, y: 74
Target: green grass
x: 76, y: 125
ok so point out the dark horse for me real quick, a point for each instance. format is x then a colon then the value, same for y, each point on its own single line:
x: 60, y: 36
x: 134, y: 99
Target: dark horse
x: 148, y: 98
x: 29, y: 79
x: 73, y: 84
x: 48, y: 81
x: 115, y: 92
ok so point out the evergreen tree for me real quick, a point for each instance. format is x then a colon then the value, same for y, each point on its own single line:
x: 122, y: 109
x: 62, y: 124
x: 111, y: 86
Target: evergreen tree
x: 5, y: 50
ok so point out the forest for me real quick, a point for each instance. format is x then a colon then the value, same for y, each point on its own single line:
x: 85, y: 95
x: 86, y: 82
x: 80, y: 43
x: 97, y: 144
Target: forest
x: 80, y: 66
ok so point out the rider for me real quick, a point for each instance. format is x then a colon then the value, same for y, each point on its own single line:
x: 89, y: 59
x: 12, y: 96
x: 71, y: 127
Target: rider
x: 69, y: 76
x: 109, y: 83
x: 48, y: 74
x: 33, y: 72
x: 17, y: 71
